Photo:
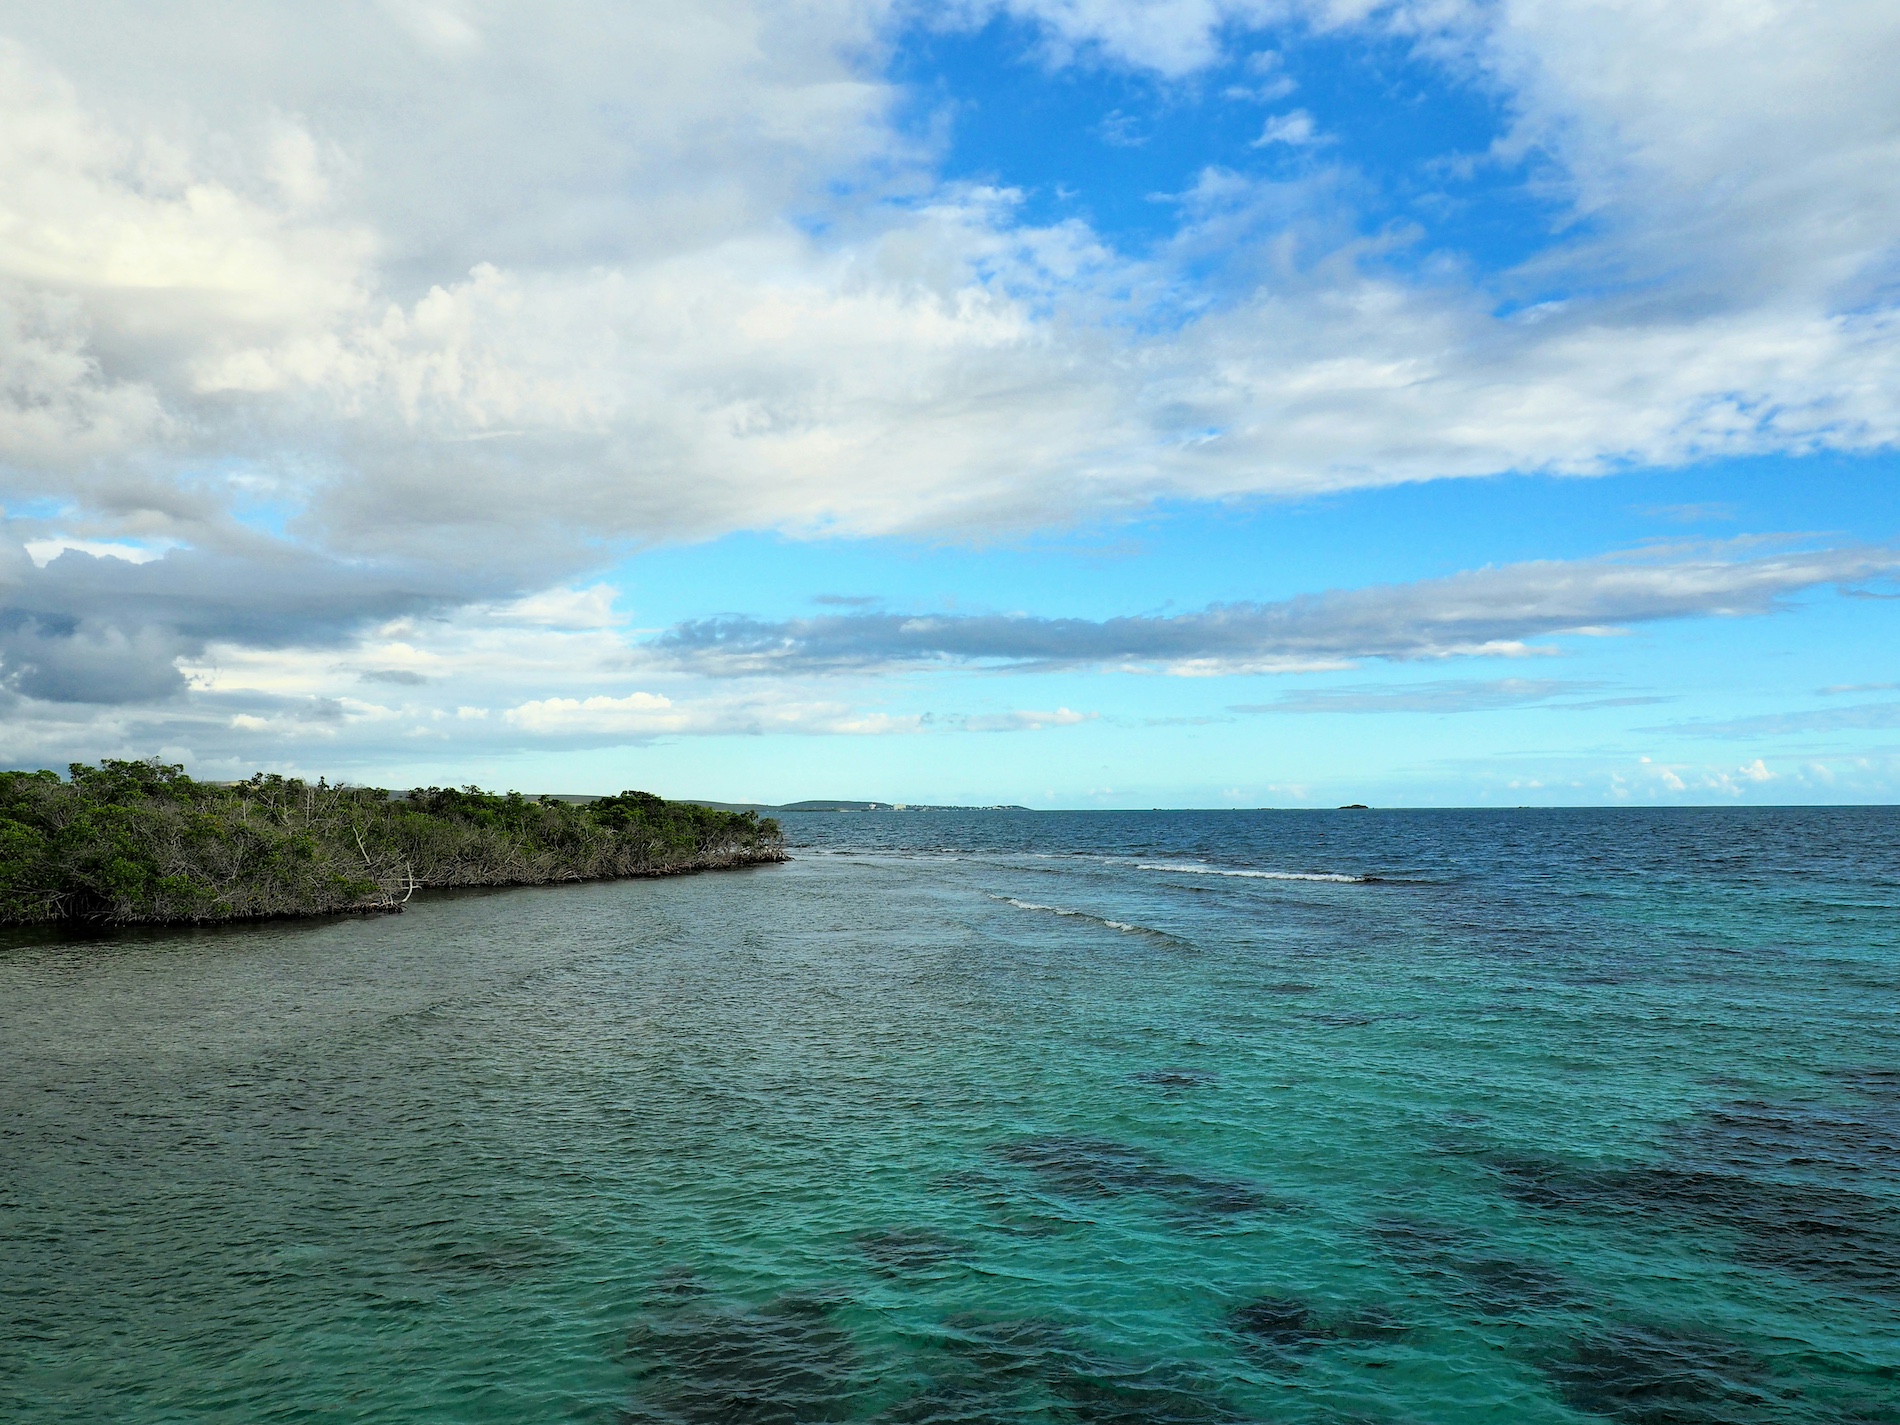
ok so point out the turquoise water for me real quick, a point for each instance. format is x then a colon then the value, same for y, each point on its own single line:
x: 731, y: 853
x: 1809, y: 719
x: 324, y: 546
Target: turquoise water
x: 1505, y: 1117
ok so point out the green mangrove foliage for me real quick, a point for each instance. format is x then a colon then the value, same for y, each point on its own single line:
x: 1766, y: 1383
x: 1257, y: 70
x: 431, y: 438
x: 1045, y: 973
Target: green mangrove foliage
x: 140, y: 842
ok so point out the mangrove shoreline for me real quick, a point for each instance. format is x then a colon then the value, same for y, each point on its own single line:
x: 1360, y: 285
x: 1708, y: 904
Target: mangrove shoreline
x: 140, y: 843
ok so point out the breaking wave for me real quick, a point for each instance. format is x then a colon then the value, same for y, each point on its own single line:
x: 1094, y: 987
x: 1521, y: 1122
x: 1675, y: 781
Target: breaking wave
x: 1200, y: 868
x: 1124, y: 926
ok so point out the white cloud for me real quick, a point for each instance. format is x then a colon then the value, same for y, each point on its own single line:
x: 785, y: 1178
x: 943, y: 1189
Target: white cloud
x: 1489, y: 612
x: 1743, y: 151
x: 1295, y: 129
x: 604, y: 276
x: 1593, y: 777
x: 345, y: 301
x: 43, y: 551
x: 1266, y: 79
x: 1171, y: 37
x: 570, y: 668
x: 1027, y: 720
x: 633, y: 716
x: 640, y: 716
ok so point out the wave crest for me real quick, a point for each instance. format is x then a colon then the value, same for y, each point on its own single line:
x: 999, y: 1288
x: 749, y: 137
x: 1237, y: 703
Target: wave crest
x: 1124, y: 926
x: 1199, y: 868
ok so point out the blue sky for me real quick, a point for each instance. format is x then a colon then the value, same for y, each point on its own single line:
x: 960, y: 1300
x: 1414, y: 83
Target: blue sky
x: 1063, y: 402
x: 1647, y: 693
x: 1111, y: 145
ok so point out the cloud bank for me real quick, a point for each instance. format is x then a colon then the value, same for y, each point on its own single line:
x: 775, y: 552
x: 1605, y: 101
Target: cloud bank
x: 339, y: 317
x: 562, y: 291
x: 1486, y: 612
x: 298, y: 681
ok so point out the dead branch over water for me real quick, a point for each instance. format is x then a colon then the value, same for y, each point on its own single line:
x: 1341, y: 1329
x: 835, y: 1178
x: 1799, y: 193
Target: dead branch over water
x: 140, y: 843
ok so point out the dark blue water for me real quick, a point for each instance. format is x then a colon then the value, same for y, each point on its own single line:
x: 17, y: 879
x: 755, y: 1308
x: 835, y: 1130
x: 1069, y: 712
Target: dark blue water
x: 1420, y: 1116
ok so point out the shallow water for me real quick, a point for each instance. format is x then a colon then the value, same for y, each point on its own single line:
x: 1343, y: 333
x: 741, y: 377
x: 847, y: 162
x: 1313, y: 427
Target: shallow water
x: 1461, y: 1117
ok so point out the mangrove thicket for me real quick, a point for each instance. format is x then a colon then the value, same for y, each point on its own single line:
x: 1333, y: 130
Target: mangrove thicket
x: 140, y: 842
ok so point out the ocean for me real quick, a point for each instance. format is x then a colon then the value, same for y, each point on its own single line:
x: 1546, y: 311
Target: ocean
x: 1380, y: 1116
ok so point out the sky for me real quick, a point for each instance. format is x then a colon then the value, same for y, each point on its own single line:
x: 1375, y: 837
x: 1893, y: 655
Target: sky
x: 1068, y: 403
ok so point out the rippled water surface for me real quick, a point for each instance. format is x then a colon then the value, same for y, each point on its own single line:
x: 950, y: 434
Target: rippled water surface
x: 1201, y: 1117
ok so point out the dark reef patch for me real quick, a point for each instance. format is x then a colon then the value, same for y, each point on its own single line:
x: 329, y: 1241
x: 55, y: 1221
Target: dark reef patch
x: 1284, y: 1326
x: 699, y: 1359
x: 702, y: 1361
x: 1803, y: 1138
x: 898, y: 1250
x: 1648, y: 1375
x: 1504, y: 1286
x: 1408, y: 1237
x: 1805, y: 1186
x: 1003, y: 1372
x: 1283, y: 1331
x: 1106, y: 1393
x: 1096, y: 1168
x: 1174, y: 1079
x: 1875, y: 1080
x: 1484, y: 1282
x: 1815, y: 1230
x: 1372, y: 1323
x: 677, y: 1284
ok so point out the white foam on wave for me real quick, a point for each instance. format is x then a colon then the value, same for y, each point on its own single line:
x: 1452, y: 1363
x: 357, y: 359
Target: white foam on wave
x: 1120, y: 925
x: 1052, y: 909
x: 1200, y: 868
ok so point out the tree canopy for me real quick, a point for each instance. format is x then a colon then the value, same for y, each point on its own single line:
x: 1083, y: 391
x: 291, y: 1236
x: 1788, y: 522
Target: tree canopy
x: 140, y: 842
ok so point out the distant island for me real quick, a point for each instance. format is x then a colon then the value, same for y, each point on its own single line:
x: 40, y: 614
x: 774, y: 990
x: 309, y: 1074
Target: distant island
x: 140, y: 843
x: 846, y: 806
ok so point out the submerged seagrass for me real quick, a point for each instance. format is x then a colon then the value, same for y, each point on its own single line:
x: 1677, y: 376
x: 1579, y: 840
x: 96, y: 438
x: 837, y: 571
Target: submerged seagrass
x: 139, y: 842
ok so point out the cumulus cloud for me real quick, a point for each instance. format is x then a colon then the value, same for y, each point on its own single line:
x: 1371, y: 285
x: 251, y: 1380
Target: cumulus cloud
x: 459, y: 301
x: 1724, y: 278
x: 303, y: 689
x: 86, y: 627
x: 1170, y: 37
x: 635, y: 715
x: 1485, y: 612
x: 571, y: 252
x: 1295, y: 129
